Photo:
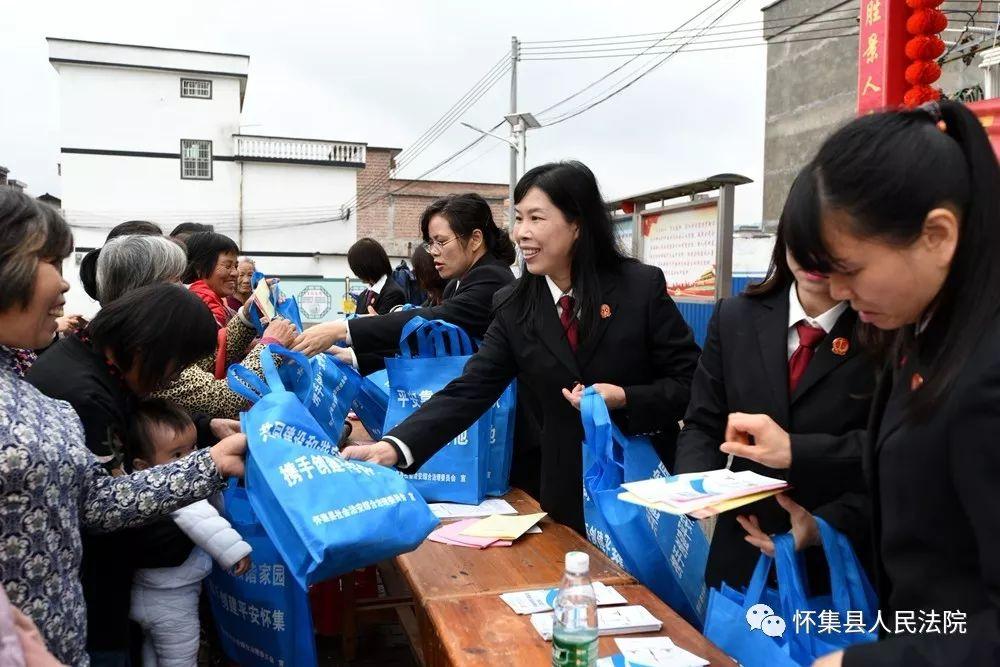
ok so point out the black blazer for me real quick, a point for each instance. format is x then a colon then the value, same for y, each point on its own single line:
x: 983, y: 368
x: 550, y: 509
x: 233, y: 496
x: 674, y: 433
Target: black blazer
x: 744, y: 368
x: 935, y: 512
x: 392, y: 295
x: 466, y: 304
x: 644, y: 345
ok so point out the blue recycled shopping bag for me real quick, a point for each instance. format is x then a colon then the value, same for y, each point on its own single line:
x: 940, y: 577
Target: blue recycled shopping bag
x: 325, y: 515
x: 765, y: 627
x: 284, y: 306
x: 632, y: 536
x: 457, y: 472
x: 323, y: 384
x: 263, y: 618
x: 372, y: 401
x: 501, y: 437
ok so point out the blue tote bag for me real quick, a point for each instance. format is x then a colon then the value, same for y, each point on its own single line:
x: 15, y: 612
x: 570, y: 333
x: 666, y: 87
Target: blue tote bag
x: 263, y: 617
x: 372, y: 401
x: 727, y: 621
x: 332, y: 392
x: 632, y: 535
x: 501, y: 437
x: 324, y: 385
x: 325, y: 515
x: 284, y: 306
x: 457, y: 472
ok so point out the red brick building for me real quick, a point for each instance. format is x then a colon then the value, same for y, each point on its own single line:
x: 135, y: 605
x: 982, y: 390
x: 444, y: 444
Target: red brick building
x: 389, y: 209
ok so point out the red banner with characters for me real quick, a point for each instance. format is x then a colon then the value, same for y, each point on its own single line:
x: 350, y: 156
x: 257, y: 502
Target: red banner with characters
x: 882, y: 57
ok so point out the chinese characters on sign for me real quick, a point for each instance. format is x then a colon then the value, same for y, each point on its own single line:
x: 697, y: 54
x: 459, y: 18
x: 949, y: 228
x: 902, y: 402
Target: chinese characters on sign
x: 682, y: 243
x: 881, y: 54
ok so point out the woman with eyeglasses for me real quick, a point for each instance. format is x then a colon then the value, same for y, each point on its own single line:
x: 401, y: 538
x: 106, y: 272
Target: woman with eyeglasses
x: 469, y: 251
x: 581, y: 314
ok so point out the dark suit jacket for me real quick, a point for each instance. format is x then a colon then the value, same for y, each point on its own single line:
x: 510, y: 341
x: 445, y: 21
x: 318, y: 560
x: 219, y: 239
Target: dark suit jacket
x: 935, y: 513
x: 392, y: 295
x: 744, y: 368
x: 644, y: 345
x: 466, y: 304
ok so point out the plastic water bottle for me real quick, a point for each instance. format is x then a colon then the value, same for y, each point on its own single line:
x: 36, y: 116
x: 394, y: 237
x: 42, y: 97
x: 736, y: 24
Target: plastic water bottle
x: 574, y: 627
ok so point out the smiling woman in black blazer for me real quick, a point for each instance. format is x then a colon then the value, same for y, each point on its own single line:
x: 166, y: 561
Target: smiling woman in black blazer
x: 817, y: 388
x: 910, y: 234
x: 581, y: 314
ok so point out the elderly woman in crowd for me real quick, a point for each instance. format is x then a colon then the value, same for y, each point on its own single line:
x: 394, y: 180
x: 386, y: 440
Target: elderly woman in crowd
x: 244, y: 283
x: 51, y: 484
x: 130, y: 262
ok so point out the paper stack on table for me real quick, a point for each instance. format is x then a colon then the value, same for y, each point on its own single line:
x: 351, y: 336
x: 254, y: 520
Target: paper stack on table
x: 455, y: 533
x: 451, y: 533
x: 533, y: 602
x: 702, y: 494
x: 485, y: 508
x: 610, y: 621
x: 651, y: 652
x: 502, y: 527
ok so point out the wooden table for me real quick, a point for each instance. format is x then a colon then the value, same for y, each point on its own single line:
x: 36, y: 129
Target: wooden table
x: 436, y: 570
x: 483, y: 631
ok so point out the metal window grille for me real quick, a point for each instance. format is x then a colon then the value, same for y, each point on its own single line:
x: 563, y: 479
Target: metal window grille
x: 196, y: 88
x: 196, y: 159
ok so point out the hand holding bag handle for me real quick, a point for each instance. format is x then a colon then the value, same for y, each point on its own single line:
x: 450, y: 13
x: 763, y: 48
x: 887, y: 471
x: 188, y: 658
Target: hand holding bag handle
x: 247, y: 384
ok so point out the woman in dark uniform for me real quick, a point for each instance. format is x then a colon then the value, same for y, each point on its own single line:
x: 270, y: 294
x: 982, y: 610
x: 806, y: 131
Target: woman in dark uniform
x: 909, y: 233
x: 581, y: 314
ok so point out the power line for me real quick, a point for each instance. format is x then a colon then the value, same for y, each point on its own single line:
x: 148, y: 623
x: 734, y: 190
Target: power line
x: 642, y: 74
x: 722, y: 25
x: 712, y: 48
x: 382, y: 180
x: 622, y: 66
x: 630, y: 50
x: 853, y: 19
x: 473, y: 95
x: 440, y: 164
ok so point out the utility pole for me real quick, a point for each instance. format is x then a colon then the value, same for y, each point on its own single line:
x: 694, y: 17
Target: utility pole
x: 513, y: 148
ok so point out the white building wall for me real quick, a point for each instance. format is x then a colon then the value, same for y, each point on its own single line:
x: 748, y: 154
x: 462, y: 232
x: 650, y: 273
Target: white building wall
x: 123, y: 109
x: 295, y: 198
x: 111, y: 109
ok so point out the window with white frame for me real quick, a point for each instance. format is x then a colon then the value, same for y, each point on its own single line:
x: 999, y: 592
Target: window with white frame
x: 200, y: 88
x: 196, y: 159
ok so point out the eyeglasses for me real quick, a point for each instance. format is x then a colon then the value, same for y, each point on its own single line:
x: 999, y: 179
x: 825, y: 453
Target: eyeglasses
x: 438, y: 245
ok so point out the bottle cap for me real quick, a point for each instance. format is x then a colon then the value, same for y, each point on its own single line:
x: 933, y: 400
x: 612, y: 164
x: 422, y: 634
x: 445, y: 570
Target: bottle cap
x: 577, y: 562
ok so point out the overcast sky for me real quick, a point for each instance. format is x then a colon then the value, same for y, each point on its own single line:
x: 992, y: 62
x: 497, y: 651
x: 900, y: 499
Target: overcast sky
x: 382, y: 72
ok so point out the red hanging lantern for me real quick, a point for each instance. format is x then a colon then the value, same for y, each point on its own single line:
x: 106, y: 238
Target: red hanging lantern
x: 918, y: 95
x: 926, y: 22
x: 628, y: 207
x: 923, y: 72
x: 925, y: 47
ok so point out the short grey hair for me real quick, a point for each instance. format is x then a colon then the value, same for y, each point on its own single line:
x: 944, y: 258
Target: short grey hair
x: 128, y: 262
x: 248, y: 260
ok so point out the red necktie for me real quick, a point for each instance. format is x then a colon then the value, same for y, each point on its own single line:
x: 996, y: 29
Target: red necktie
x: 568, y: 320
x: 809, y: 338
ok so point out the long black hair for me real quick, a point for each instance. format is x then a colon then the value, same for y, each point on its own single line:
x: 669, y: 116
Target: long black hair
x: 573, y: 189
x: 887, y: 171
x: 203, y: 250
x: 800, y: 204
x: 465, y: 214
x: 160, y: 327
